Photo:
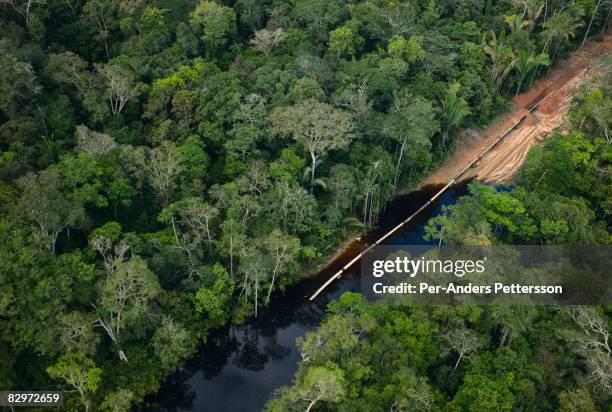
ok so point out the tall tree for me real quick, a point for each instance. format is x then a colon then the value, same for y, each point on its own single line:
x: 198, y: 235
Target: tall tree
x: 455, y: 110
x: 24, y: 7
x: 163, y: 166
x: 266, y: 41
x: 588, y: 30
x: 119, y: 401
x: 342, y: 185
x: 233, y: 239
x: 319, y: 384
x: 18, y: 84
x: 79, y: 373
x: 102, y: 14
x: 215, y: 23
x: 516, y: 22
x: 124, y: 298
x: 411, y: 123
x: 322, y: 384
x: 533, y: 10
x: 93, y: 143
x: 317, y: 126
x: 592, y: 341
x: 76, y: 334
x: 461, y: 341
x: 561, y: 26
x: 253, y: 269
x: 283, y: 251
x: 502, y: 58
x: 172, y: 343
x: 526, y: 63
x: 43, y: 203
x: 192, y: 222
x: 121, y: 85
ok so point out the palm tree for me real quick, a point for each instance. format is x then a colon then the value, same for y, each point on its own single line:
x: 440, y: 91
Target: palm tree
x: 526, y: 63
x: 516, y: 22
x: 561, y: 26
x: 455, y: 110
x: 533, y: 9
x: 599, y: 2
x: 503, y: 60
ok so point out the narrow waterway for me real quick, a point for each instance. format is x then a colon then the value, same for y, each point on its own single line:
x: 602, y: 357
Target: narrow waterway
x: 239, y: 367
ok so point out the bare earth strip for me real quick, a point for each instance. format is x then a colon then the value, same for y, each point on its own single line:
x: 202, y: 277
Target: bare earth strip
x: 554, y: 92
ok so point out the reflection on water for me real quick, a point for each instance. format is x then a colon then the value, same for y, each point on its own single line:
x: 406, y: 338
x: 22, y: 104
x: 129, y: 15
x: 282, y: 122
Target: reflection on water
x: 240, y: 366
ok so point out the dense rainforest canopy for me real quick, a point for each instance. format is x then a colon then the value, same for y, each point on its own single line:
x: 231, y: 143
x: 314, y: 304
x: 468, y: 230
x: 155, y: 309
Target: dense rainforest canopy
x: 165, y: 166
x: 502, y: 357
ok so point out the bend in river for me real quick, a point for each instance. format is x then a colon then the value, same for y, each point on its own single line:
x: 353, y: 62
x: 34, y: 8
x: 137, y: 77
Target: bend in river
x: 240, y: 366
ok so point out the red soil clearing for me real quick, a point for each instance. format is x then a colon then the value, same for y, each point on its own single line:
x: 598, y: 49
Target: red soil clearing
x: 554, y: 94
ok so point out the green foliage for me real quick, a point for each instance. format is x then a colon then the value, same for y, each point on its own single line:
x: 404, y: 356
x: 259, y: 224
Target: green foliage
x: 412, y: 124
x: 143, y: 147
x: 17, y: 83
x: 172, y: 343
x: 455, y: 110
x: 316, y: 126
x: 526, y: 63
x: 44, y: 204
x: 214, y: 301
x: 408, y: 50
x: 216, y: 23
x: 119, y: 401
x: 344, y: 41
x: 319, y: 15
x: 305, y: 89
x: 482, y: 358
x: 79, y: 374
x: 320, y: 384
x: 578, y: 400
x: 564, y: 166
x: 480, y: 393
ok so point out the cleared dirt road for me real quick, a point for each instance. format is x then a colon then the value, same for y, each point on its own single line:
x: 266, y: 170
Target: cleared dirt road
x: 554, y: 92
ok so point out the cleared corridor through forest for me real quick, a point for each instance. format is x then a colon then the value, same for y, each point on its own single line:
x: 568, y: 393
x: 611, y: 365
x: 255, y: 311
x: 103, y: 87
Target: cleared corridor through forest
x: 500, y: 149
x: 553, y: 92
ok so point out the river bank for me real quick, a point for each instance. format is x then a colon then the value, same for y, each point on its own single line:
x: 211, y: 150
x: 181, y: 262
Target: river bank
x: 553, y: 92
x: 240, y: 366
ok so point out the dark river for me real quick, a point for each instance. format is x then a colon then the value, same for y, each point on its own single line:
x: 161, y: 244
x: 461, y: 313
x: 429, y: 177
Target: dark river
x: 240, y: 366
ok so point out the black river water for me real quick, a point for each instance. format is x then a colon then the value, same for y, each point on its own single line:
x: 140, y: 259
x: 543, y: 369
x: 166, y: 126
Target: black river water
x: 239, y: 367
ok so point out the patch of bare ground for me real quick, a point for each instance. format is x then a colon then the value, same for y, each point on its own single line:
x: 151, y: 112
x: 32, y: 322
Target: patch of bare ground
x: 554, y: 94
